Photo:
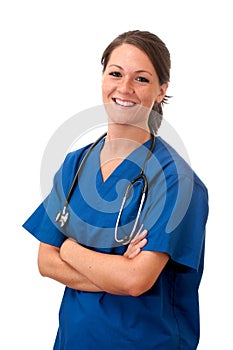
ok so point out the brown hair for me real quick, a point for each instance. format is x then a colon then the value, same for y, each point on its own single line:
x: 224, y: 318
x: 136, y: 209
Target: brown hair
x: 159, y: 55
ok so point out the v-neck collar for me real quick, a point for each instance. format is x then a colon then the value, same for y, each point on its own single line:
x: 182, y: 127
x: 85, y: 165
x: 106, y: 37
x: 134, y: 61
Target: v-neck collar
x: 123, y: 168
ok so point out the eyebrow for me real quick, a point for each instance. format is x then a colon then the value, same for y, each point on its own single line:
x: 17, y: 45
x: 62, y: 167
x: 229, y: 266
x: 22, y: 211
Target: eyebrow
x: 138, y: 71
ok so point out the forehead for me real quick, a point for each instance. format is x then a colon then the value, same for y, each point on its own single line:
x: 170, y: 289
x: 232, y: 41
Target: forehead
x: 130, y: 57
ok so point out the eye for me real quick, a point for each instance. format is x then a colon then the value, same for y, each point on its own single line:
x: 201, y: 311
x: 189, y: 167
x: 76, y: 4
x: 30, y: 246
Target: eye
x: 115, y: 74
x: 142, y: 80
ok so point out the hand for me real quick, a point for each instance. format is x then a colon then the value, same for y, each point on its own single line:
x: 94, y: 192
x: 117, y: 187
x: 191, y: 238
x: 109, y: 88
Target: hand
x: 136, y: 244
x: 66, y: 247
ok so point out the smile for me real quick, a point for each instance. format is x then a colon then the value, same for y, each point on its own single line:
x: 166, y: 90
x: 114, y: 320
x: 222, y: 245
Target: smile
x: 124, y: 103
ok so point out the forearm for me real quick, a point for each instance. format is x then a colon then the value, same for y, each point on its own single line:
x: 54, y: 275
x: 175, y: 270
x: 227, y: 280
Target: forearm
x: 85, y: 260
x: 114, y: 274
x: 51, y: 265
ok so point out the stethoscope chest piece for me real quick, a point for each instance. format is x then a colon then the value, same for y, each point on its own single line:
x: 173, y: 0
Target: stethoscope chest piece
x: 62, y: 217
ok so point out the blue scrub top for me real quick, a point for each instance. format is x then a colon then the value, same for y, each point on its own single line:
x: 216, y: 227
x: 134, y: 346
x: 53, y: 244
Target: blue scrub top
x: 166, y: 317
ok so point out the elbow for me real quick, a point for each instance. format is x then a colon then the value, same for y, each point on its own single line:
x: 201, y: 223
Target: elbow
x: 41, y: 267
x: 136, y: 283
x: 137, y: 287
x: 136, y: 292
x: 44, y: 261
x: 42, y: 272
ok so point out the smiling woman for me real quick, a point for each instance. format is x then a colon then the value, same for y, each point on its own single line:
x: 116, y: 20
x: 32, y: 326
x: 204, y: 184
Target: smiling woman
x: 130, y: 81
x: 140, y: 293
x: 158, y: 55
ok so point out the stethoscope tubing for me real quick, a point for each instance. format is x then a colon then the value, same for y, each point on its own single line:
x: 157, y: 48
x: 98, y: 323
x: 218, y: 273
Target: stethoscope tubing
x: 63, y: 215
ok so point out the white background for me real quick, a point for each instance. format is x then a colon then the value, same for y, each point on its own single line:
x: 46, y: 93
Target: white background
x: 50, y: 70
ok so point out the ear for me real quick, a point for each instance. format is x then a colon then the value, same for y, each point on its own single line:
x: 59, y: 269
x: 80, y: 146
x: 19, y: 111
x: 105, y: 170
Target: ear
x: 163, y: 90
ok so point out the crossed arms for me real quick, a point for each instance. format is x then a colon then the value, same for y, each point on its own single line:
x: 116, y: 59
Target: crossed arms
x: 83, y: 269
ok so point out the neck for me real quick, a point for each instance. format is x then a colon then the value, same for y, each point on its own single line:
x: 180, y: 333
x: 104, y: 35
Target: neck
x: 133, y: 133
x: 121, y: 140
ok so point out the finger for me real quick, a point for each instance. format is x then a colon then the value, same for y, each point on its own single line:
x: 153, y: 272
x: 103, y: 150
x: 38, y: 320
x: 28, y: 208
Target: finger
x: 142, y: 235
x: 138, y: 238
x: 133, y: 253
x: 142, y: 243
x: 135, y: 249
x: 139, y: 231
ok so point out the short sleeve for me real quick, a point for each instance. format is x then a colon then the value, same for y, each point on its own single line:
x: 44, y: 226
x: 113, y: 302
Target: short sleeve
x: 179, y: 229
x: 41, y: 224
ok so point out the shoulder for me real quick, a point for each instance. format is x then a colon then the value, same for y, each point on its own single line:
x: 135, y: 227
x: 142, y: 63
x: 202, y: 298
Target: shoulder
x: 73, y: 159
x: 68, y: 168
x: 175, y: 166
x: 75, y: 156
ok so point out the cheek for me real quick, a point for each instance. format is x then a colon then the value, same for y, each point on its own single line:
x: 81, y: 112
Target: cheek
x: 104, y: 94
x: 106, y: 89
x: 148, y: 98
x: 151, y: 96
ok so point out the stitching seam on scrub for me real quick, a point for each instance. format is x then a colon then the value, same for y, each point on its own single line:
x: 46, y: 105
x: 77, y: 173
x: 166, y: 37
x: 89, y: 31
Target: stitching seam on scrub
x: 174, y: 311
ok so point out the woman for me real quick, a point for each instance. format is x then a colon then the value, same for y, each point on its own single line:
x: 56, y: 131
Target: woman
x: 127, y: 287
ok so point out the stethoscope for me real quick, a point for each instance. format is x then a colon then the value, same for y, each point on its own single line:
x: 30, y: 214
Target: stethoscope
x: 63, y: 215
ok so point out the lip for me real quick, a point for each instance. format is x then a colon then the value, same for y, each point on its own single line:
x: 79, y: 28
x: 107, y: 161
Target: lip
x: 124, y: 103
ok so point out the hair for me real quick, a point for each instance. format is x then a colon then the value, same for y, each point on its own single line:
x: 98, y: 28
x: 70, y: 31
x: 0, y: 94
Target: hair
x: 159, y: 55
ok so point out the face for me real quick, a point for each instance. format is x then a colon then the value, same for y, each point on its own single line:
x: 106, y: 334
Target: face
x: 130, y: 86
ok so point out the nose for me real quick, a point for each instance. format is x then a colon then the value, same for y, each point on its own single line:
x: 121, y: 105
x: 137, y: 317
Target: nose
x: 126, y: 86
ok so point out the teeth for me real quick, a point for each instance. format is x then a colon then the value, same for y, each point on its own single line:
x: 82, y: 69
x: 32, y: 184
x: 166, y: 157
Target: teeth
x: 124, y: 103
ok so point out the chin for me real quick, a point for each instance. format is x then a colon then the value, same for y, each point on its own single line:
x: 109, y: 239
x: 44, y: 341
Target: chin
x: 126, y: 115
